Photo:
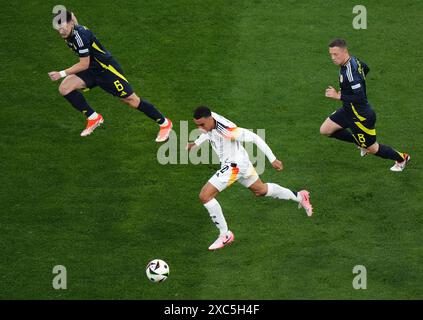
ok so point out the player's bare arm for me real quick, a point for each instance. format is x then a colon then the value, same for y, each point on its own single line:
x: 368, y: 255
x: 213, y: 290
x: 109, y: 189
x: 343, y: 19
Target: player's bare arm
x: 83, y: 64
x: 262, y: 145
x: 245, y: 135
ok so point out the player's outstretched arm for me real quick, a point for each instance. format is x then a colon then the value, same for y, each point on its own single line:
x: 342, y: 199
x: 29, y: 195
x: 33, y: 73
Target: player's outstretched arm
x: 197, y: 142
x: 249, y: 136
x: 83, y: 64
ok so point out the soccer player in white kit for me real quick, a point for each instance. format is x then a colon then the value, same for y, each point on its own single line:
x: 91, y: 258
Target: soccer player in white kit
x: 225, y: 138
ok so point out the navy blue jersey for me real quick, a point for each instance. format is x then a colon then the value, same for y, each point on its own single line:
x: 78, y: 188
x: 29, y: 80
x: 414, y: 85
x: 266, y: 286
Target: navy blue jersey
x: 84, y: 43
x: 352, y: 81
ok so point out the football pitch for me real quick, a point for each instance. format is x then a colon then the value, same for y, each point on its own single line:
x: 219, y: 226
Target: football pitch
x: 103, y: 207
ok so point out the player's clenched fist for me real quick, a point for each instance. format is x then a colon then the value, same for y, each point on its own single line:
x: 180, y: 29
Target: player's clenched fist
x: 54, y: 75
x: 277, y: 164
x: 190, y: 146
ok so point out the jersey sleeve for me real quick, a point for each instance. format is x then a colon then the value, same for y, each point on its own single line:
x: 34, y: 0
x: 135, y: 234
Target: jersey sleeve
x: 82, y: 42
x: 200, y: 139
x: 245, y: 135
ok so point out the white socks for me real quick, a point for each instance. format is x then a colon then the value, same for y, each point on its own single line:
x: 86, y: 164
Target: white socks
x: 93, y: 116
x: 276, y: 191
x: 273, y: 190
x: 216, y: 214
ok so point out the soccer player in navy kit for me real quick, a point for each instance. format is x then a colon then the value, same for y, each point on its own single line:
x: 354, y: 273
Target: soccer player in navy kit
x: 97, y: 67
x: 356, y: 113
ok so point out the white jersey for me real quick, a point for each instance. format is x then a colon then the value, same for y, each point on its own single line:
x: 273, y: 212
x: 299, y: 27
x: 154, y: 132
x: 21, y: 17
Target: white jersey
x: 226, y: 140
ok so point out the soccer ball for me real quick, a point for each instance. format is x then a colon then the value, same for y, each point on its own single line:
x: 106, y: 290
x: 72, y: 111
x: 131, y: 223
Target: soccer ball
x: 157, y: 270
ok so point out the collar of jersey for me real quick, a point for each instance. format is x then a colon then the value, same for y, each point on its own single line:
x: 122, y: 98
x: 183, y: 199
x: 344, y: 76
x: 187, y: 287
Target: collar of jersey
x: 215, y: 123
x: 72, y: 34
x: 346, y: 62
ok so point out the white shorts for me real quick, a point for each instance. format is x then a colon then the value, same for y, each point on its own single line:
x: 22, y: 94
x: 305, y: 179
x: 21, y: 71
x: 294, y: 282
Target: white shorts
x: 244, y: 174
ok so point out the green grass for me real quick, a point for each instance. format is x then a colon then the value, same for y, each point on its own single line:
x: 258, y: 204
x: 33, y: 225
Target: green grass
x: 103, y: 207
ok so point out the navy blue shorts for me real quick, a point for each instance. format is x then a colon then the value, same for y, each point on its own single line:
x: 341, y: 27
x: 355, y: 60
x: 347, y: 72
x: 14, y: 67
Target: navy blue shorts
x: 110, y: 78
x: 361, y: 121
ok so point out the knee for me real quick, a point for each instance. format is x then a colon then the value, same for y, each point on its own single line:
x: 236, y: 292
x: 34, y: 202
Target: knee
x: 68, y: 85
x: 324, y: 131
x: 204, y: 198
x: 373, y: 149
x: 133, y: 102
x: 64, y: 89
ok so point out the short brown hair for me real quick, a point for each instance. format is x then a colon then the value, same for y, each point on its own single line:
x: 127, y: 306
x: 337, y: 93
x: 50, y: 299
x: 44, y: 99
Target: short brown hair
x: 338, y: 42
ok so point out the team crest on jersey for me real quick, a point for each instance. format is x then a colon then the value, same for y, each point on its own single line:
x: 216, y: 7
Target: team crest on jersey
x: 341, y: 78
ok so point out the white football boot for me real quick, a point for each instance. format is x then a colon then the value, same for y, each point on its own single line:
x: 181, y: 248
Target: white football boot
x: 222, y: 241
